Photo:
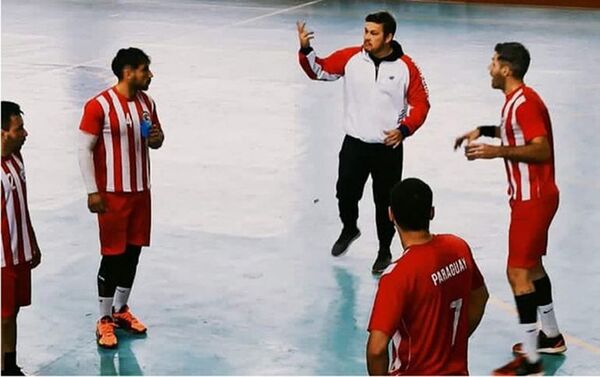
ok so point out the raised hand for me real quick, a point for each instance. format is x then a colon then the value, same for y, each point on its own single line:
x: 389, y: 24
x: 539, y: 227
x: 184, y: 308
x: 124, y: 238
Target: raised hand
x: 304, y: 36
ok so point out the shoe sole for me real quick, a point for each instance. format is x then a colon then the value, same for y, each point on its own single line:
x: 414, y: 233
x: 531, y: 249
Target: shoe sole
x: 349, y: 244
x: 130, y: 330
x: 545, y: 351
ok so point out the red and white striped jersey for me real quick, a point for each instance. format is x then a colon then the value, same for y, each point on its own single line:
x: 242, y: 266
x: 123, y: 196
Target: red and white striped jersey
x: 121, y: 158
x: 17, y: 232
x: 525, y: 117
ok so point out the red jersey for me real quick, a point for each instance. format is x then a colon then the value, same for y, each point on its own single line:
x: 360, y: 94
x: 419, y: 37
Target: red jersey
x: 525, y: 117
x: 121, y: 158
x: 17, y: 232
x: 422, y: 303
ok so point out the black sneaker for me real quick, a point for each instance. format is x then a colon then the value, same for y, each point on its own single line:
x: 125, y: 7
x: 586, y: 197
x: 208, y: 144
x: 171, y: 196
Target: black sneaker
x: 384, y: 259
x: 520, y: 366
x: 552, y: 346
x: 347, y: 236
x: 16, y: 371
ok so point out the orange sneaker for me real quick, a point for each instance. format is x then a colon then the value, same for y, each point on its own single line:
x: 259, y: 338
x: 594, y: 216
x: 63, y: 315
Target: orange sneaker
x: 105, y: 333
x: 125, y: 319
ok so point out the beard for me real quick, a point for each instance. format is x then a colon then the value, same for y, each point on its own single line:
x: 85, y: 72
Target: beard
x: 497, y: 83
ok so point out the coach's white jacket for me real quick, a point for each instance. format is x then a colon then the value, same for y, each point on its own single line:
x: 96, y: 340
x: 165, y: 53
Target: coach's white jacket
x: 376, y: 98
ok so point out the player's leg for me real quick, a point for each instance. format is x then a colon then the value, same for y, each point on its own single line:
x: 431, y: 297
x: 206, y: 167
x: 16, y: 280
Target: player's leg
x: 524, y: 257
x: 10, y: 310
x: 138, y: 235
x: 126, y: 276
x: 353, y: 172
x: 113, y: 240
x: 386, y: 171
x: 107, y: 283
x: 550, y: 340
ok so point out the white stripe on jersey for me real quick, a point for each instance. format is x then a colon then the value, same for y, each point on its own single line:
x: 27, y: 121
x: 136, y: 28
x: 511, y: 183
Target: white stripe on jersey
x: 12, y: 219
x: 108, y: 145
x: 520, y: 141
x: 504, y: 135
x: 396, y: 340
x: 123, y: 140
x: 23, y: 209
x: 137, y: 139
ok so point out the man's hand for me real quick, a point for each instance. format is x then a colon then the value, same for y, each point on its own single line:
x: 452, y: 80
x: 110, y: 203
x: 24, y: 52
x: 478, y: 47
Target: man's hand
x: 469, y: 137
x: 304, y: 35
x: 482, y: 151
x: 37, y: 256
x: 96, y: 203
x: 156, y: 137
x: 393, y: 138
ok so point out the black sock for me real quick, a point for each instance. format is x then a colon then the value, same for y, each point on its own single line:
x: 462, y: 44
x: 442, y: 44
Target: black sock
x: 527, y: 307
x: 543, y: 290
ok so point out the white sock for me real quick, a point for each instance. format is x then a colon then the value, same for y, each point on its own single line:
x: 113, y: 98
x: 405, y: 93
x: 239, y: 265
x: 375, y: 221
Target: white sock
x: 549, y: 325
x: 106, y: 304
x: 121, y: 297
x: 530, y: 333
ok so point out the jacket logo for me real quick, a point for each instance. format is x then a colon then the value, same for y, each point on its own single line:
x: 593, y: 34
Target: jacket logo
x: 392, y: 77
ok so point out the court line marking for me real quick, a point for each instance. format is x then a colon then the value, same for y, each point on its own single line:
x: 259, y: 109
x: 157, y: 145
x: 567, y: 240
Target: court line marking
x: 569, y: 338
x: 243, y: 22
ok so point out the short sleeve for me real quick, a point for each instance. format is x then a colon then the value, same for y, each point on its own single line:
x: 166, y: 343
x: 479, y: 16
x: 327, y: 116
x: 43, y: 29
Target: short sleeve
x: 390, y: 300
x: 476, y: 277
x: 92, y: 120
x: 530, y: 117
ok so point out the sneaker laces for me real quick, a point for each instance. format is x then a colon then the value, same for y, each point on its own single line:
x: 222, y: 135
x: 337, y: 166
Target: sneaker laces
x: 106, y: 326
x: 128, y: 316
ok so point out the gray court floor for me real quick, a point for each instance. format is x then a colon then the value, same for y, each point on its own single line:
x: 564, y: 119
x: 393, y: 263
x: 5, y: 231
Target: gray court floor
x: 239, y: 279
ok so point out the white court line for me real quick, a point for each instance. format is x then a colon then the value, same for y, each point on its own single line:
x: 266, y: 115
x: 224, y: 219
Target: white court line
x: 276, y: 13
x: 570, y: 339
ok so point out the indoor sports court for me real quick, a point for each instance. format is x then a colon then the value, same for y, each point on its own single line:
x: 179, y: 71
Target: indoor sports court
x: 239, y: 279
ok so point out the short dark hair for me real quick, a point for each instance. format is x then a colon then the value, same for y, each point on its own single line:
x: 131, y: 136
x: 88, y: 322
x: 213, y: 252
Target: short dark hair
x: 411, y: 201
x: 133, y: 57
x: 385, y: 18
x: 9, y: 109
x: 516, y: 56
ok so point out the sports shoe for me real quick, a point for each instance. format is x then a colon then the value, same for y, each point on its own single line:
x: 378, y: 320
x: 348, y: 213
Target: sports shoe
x: 105, y: 333
x: 16, y: 371
x: 520, y: 367
x: 125, y: 319
x: 553, y: 346
x: 347, y: 236
x: 384, y: 259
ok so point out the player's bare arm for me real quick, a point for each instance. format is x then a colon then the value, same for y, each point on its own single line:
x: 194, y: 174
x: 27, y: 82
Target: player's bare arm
x: 377, y: 353
x: 536, y: 151
x: 477, y: 301
x: 156, y: 137
x: 304, y: 36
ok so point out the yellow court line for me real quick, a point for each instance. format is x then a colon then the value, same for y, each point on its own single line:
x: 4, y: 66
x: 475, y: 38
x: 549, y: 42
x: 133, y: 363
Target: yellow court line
x: 570, y: 339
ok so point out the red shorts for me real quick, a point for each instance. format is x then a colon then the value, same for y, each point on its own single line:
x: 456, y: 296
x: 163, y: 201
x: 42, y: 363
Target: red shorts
x: 16, y: 288
x: 528, y: 232
x: 125, y: 222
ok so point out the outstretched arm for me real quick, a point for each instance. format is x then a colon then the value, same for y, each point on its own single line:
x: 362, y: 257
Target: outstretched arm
x: 330, y: 68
